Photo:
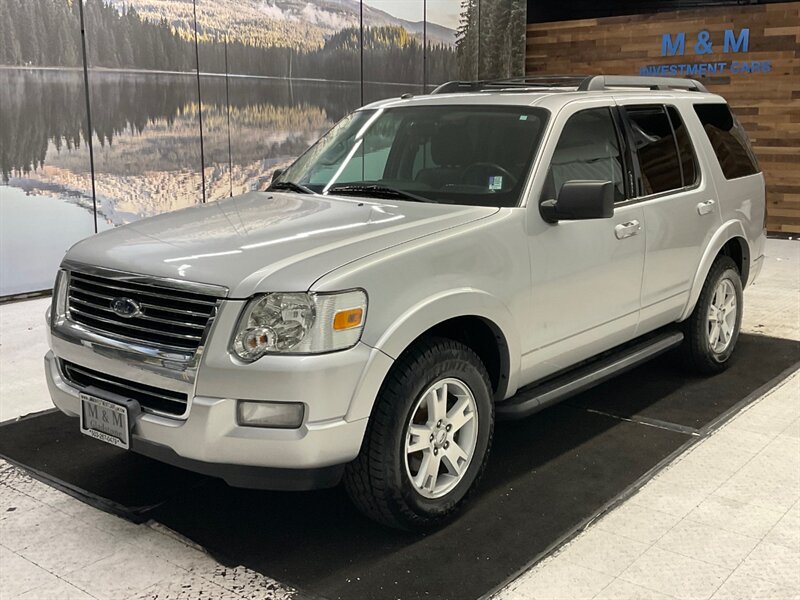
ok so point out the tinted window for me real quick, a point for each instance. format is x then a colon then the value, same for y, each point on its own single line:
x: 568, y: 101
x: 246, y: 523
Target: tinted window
x: 685, y: 148
x: 449, y: 154
x: 728, y: 139
x: 588, y: 149
x: 655, y: 146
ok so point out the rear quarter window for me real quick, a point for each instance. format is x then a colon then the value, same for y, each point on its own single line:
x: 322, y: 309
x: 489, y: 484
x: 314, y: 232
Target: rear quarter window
x: 728, y: 139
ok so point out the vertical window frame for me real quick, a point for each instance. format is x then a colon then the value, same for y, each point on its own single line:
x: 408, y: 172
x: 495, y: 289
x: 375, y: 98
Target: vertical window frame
x: 697, y: 172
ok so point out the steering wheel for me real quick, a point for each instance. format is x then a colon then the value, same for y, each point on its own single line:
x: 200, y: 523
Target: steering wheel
x: 470, y: 170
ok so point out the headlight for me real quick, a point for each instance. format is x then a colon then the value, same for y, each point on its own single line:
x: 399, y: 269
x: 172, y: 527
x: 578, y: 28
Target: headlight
x: 58, y: 306
x: 300, y: 323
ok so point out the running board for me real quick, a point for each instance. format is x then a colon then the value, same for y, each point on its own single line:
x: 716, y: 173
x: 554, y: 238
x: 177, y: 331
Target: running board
x: 535, y: 397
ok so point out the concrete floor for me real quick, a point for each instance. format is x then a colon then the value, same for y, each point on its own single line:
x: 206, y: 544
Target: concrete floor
x: 722, y: 521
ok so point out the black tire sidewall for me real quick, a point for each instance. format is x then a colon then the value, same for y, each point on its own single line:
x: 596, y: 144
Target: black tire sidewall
x: 726, y: 270
x: 450, y: 363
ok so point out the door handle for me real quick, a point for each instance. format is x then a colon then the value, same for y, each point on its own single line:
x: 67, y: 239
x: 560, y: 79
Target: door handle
x: 705, y: 207
x: 626, y: 230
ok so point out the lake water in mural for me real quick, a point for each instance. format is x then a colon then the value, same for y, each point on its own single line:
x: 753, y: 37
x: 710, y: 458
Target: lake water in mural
x: 146, y: 135
x: 35, y: 232
x: 273, y: 78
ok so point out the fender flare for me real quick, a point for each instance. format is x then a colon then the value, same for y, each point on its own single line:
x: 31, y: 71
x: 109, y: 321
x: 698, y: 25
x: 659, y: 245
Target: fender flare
x: 727, y: 231
x: 429, y: 312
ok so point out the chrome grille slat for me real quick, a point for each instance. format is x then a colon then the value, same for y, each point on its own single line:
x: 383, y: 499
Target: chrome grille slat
x: 148, y: 317
x: 150, y: 398
x: 127, y: 386
x: 161, y: 286
x: 133, y: 290
x: 179, y: 311
x: 135, y: 327
x: 167, y: 318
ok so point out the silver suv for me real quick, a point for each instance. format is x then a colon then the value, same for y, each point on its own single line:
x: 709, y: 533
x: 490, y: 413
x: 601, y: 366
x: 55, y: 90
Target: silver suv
x: 430, y: 264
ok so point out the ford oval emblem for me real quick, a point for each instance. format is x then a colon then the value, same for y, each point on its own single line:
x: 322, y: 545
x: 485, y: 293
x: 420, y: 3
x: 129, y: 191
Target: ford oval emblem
x: 125, y: 307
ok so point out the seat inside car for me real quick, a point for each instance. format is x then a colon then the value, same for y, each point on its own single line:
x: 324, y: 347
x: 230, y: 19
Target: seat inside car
x: 451, y: 150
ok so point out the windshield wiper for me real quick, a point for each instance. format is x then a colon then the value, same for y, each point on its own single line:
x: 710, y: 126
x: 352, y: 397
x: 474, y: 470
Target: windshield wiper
x: 374, y: 191
x: 290, y: 186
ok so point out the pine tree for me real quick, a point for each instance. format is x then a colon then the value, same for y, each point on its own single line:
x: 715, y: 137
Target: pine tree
x: 467, y: 39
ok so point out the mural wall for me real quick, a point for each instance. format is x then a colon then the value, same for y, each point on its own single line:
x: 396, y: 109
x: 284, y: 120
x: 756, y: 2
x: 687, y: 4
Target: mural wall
x: 196, y: 100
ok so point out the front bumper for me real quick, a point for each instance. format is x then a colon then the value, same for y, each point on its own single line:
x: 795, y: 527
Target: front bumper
x: 210, y: 441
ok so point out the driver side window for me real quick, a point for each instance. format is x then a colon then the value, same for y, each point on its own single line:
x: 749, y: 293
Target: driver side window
x: 588, y: 149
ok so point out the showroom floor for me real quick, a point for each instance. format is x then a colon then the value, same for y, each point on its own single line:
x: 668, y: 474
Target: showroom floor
x: 722, y: 521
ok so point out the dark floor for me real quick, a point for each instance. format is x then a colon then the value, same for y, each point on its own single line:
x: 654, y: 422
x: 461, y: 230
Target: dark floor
x: 546, y: 476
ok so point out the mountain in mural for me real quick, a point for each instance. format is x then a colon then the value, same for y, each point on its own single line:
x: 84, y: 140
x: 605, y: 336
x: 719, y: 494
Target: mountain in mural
x: 268, y: 23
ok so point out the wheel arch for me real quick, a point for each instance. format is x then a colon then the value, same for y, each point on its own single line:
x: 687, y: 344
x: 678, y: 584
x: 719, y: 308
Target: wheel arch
x: 730, y: 240
x: 470, y: 316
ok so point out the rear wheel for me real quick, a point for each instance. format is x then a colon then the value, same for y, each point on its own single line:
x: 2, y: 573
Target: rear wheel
x: 428, y: 438
x: 713, y: 327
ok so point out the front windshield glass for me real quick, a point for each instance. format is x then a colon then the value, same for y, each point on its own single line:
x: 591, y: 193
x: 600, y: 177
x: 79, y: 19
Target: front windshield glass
x: 478, y: 155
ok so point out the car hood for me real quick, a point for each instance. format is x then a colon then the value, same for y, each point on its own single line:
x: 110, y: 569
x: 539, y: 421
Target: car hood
x: 266, y: 241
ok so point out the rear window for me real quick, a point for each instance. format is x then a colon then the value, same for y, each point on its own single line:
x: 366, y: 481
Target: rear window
x: 728, y: 139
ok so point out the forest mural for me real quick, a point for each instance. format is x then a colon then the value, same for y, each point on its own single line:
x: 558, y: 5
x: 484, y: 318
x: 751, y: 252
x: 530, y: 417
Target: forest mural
x: 262, y: 79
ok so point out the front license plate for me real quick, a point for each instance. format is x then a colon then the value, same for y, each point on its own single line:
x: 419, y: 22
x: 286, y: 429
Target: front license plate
x: 105, y: 421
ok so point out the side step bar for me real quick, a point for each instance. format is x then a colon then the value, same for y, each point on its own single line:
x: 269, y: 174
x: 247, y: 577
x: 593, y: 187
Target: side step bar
x: 535, y: 397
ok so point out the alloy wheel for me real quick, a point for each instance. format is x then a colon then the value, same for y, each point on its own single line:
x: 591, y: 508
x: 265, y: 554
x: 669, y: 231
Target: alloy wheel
x: 721, y: 320
x: 441, y: 436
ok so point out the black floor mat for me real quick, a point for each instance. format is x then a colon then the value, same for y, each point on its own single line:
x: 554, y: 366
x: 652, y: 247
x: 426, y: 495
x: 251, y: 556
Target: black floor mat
x: 547, y: 475
x: 663, y: 391
x: 50, y: 445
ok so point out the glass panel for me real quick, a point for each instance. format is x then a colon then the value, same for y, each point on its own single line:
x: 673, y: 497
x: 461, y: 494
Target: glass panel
x: 143, y: 84
x: 685, y: 147
x: 468, y: 40
x: 45, y: 179
x: 393, y: 32
x: 290, y: 87
x: 588, y: 149
x: 441, y: 25
x: 728, y: 139
x: 502, y: 38
x: 476, y: 155
x: 214, y: 92
x: 655, y: 145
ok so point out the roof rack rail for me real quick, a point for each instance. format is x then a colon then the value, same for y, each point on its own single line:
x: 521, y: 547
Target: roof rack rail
x: 521, y: 82
x: 604, y: 82
x: 584, y: 83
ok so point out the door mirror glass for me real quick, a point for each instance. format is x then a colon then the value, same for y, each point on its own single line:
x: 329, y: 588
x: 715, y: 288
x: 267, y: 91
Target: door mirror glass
x: 580, y: 200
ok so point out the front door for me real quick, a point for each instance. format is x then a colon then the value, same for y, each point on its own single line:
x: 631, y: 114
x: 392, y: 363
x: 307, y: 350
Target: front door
x: 586, y: 274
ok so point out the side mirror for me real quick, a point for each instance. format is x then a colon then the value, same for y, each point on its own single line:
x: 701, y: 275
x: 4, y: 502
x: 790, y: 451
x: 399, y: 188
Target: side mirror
x: 276, y: 173
x: 580, y: 200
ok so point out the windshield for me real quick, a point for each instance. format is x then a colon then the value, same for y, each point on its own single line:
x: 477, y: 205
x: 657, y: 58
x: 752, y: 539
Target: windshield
x: 476, y: 155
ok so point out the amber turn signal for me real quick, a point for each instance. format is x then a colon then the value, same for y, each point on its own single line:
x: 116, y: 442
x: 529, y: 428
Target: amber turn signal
x: 347, y: 319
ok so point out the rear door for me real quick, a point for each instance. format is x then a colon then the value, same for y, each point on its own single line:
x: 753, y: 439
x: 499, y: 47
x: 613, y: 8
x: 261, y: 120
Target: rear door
x: 681, y: 213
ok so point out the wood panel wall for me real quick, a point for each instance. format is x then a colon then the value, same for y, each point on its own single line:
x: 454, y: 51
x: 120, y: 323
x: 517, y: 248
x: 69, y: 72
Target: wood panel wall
x: 767, y: 104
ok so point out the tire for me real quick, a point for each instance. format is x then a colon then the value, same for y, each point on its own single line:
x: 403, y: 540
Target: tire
x: 699, y: 354
x: 380, y: 481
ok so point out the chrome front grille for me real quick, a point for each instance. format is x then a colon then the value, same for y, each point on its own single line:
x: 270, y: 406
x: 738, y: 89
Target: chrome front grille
x: 155, y: 315
x: 149, y: 397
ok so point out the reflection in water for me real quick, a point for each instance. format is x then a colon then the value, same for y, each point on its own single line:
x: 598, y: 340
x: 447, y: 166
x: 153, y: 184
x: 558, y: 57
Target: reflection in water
x: 146, y: 134
x: 35, y: 232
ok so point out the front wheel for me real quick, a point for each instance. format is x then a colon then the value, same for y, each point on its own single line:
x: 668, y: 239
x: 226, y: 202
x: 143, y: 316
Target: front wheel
x: 712, y: 329
x: 428, y: 438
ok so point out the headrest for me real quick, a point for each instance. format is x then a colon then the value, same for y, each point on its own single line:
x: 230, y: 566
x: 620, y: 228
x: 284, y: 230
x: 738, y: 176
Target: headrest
x: 451, y: 146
